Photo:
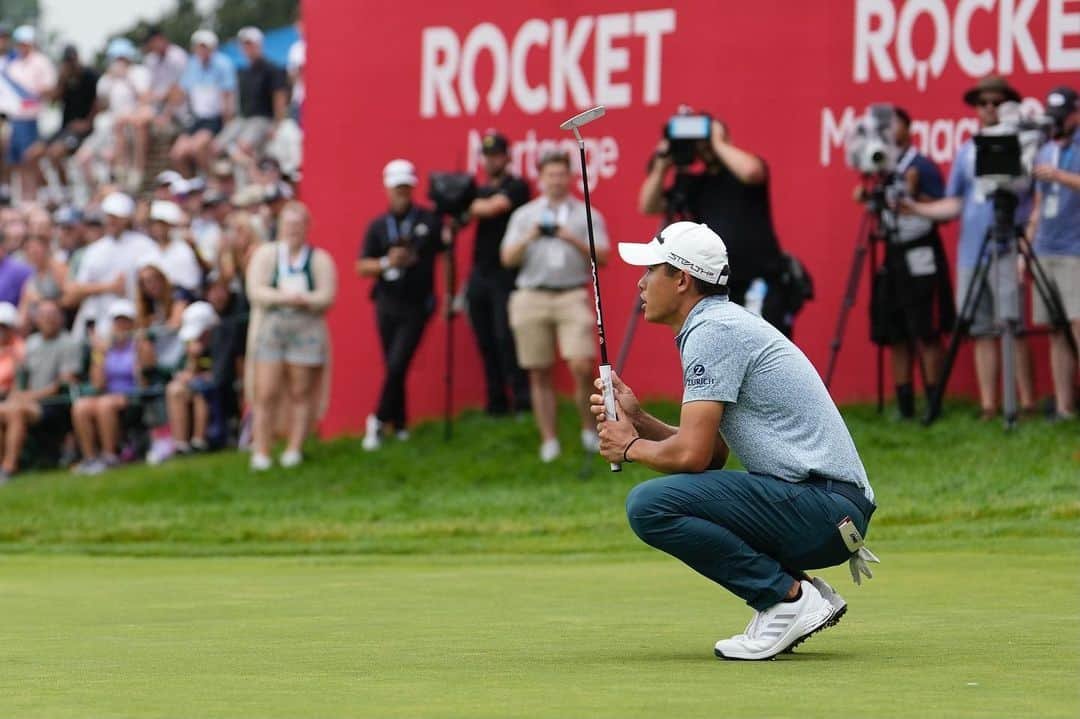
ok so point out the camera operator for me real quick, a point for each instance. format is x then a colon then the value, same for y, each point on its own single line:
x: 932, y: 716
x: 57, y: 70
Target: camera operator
x: 1054, y: 231
x: 731, y: 196
x: 547, y: 240
x: 490, y: 284
x: 967, y: 199
x: 912, y: 300
x: 399, y: 250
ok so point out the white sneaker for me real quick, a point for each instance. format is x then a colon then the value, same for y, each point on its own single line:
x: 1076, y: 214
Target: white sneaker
x: 838, y: 604
x: 160, y: 451
x: 403, y: 435
x: 782, y: 626
x: 550, y: 450
x: 260, y: 462
x: 590, y: 440
x: 372, y: 434
x: 290, y: 458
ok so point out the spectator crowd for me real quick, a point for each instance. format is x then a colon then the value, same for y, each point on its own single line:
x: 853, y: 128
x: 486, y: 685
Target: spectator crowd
x: 146, y: 310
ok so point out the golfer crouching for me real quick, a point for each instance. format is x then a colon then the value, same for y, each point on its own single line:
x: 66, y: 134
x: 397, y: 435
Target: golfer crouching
x: 804, y: 501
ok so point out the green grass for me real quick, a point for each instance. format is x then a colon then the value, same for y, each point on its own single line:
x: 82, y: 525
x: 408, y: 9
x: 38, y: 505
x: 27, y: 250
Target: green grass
x: 469, y: 580
x: 486, y: 491
x: 953, y: 635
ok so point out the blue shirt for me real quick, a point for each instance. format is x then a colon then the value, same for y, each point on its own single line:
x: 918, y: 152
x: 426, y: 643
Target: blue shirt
x: 1059, y: 232
x: 205, y: 84
x: 779, y: 419
x: 978, y: 213
x: 13, y: 275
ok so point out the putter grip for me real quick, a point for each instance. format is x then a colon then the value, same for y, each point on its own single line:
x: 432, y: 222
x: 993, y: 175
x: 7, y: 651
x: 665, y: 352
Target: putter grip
x: 609, y: 402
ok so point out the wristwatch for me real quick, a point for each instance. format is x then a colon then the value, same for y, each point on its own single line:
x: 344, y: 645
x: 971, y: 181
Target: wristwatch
x: 384, y: 263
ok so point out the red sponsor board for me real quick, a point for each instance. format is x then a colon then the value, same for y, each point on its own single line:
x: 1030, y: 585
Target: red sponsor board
x: 422, y: 81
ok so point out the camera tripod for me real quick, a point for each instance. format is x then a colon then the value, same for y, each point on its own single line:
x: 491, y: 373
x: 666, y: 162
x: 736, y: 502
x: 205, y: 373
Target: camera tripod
x: 997, y: 264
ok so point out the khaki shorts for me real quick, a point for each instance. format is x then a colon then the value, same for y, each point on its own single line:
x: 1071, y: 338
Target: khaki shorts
x: 539, y: 317
x: 1001, y: 278
x: 1063, y: 271
x: 252, y: 131
x: 296, y: 338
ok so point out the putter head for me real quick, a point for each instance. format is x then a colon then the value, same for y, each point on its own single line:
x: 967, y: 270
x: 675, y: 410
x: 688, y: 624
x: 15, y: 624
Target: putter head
x: 583, y: 118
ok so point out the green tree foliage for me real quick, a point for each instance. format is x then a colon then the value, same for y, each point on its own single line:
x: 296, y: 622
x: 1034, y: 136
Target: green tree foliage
x: 17, y: 12
x: 231, y: 15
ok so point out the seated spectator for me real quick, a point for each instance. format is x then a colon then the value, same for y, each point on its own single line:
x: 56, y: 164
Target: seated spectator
x: 46, y: 281
x: 207, y: 228
x: 107, y: 270
x: 290, y: 285
x: 13, y: 272
x: 222, y: 177
x: 175, y: 255
x: 193, y: 392
x: 158, y: 312
x: 35, y: 77
x: 263, y: 96
x: 76, y: 91
x: 210, y: 83
x: 118, y: 92
x: 71, y: 234
x: 52, y: 359
x: 244, y: 234
x: 11, y: 347
x: 115, y: 374
x: 163, y: 184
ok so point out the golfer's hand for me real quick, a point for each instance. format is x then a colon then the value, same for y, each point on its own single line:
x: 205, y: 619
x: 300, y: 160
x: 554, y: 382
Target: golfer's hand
x: 1046, y: 173
x: 628, y: 404
x: 857, y: 565
x: 614, y: 436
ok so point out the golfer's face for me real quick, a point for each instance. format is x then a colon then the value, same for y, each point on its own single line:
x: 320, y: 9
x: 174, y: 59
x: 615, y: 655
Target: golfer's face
x: 658, y: 293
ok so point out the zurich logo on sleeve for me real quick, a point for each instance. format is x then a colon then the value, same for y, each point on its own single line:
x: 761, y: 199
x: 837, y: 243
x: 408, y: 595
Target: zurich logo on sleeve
x: 696, y: 377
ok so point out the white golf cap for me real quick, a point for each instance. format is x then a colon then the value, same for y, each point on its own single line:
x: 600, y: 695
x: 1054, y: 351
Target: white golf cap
x: 24, y: 34
x: 167, y: 212
x: 204, y: 37
x: 120, y: 48
x: 118, y: 204
x: 689, y: 246
x: 399, y: 172
x: 9, y: 316
x: 198, y: 317
x: 152, y: 259
x: 250, y: 34
x: 121, y: 307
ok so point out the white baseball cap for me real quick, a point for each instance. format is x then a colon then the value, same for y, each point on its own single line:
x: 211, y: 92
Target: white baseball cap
x: 399, y: 172
x: 24, y: 34
x: 198, y: 317
x: 250, y: 34
x: 9, y: 316
x: 689, y: 246
x: 167, y: 212
x: 204, y: 37
x: 118, y: 204
x: 122, y: 307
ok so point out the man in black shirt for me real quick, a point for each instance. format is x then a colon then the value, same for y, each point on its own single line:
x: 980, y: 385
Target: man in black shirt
x: 731, y: 196
x: 399, y: 250
x: 76, y: 90
x: 490, y: 283
x: 263, y: 95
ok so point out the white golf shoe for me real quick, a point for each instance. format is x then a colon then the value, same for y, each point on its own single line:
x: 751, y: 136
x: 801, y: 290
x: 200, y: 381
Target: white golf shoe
x: 839, y: 606
x: 550, y: 450
x: 372, y: 434
x: 590, y: 441
x: 780, y: 627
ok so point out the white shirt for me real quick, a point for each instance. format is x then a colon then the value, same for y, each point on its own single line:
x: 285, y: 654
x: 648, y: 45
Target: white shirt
x: 295, y: 63
x: 207, y: 238
x: 36, y: 74
x: 181, y: 266
x: 165, y: 70
x: 103, y: 260
x: 121, y: 89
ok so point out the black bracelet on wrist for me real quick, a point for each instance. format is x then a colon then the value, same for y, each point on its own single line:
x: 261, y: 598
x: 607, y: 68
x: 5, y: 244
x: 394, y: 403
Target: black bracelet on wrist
x: 629, y: 444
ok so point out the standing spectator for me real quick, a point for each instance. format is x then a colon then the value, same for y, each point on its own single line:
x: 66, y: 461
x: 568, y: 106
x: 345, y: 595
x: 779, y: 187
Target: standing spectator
x: 11, y: 347
x: 967, y: 198
x: 115, y: 374
x: 13, y: 274
x: 1055, y: 233
x: 107, y: 271
x: 52, y: 359
x: 118, y: 92
x: 157, y: 105
x: 295, y: 65
x: 399, y: 251
x: 175, y: 255
x: 547, y: 240
x: 490, y: 284
x: 210, y: 83
x: 76, y: 91
x: 263, y: 102
x: 33, y: 77
x: 291, y: 285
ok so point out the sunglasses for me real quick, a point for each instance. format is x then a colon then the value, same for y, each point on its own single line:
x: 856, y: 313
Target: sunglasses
x: 986, y: 102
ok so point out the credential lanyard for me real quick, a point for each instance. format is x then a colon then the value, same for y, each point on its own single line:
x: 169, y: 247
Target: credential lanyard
x: 392, y: 232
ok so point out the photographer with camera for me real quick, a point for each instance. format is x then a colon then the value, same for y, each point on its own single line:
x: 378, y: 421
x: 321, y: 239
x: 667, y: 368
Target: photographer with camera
x: 968, y: 198
x: 546, y: 241
x: 911, y: 298
x: 399, y: 251
x: 1054, y: 231
x: 730, y: 195
x: 490, y: 284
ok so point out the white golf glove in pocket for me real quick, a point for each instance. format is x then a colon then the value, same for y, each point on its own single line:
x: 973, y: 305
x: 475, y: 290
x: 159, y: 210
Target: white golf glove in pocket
x: 859, y: 565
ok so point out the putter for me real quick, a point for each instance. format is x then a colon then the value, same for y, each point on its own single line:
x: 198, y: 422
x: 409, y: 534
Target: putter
x: 574, y: 123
